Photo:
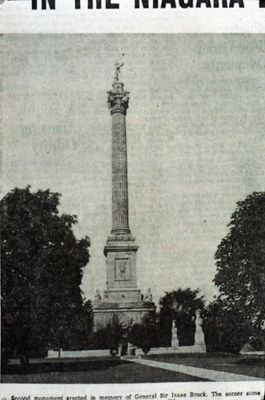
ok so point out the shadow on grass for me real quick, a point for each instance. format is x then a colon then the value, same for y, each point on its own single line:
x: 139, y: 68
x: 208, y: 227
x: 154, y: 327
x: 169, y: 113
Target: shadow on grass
x: 256, y: 361
x: 62, y: 366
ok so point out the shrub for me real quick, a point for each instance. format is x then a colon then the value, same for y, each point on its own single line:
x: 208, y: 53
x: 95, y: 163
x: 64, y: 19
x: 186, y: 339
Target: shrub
x: 108, y: 337
x: 145, y: 335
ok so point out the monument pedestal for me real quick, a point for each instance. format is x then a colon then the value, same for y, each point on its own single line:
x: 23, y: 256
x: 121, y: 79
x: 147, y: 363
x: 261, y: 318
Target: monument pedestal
x: 127, y: 313
x: 174, y: 342
x: 122, y: 298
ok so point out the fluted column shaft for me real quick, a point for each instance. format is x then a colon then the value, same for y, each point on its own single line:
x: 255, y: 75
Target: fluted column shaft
x: 118, y: 100
x: 120, y: 211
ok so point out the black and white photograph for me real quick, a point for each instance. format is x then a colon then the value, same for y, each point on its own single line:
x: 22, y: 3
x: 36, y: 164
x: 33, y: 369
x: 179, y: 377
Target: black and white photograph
x: 133, y: 209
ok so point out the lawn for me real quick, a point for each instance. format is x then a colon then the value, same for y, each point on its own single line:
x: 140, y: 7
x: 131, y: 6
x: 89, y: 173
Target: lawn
x: 237, y: 364
x: 115, y: 370
x: 105, y: 370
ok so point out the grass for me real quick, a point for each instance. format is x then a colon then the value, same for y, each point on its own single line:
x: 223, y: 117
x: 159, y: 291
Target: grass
x: 114, y: 370
x: 106, y: 370
x: 237, y: 364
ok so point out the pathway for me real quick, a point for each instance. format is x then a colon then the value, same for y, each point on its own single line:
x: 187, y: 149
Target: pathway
x: 194, y: 371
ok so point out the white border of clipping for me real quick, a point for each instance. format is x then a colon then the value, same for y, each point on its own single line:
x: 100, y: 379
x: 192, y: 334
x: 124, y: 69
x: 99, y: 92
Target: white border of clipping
x: 17, y: 16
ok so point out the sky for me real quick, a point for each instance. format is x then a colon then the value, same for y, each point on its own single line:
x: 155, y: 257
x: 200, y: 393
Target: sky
x: 195, y: 132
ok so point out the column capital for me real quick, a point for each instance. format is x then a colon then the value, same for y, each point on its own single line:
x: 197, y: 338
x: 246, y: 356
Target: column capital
x: 118, y: 98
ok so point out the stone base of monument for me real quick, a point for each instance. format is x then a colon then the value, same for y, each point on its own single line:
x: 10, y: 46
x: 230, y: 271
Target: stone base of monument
x: 171, y: 350
x: 199, y: 340
x: 52, y: 354
x: 252, y: 353
x: 174, y: 342
x: 247, y: 349
x: 128, y: 313
x: 199, y: 348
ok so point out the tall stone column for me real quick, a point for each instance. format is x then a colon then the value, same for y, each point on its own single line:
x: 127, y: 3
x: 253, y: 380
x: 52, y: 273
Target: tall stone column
x: 120, y: 250
x: 122, y: 298
x: 118, y: 100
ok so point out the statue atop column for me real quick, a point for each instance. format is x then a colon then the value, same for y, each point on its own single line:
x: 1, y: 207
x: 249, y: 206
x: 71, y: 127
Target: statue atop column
x: 118, y: 98
x: 117, y: 70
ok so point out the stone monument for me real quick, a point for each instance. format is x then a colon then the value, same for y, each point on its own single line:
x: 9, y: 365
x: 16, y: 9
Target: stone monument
x: 174, y: 335
x: 122, y: 296
x: 199, y: 340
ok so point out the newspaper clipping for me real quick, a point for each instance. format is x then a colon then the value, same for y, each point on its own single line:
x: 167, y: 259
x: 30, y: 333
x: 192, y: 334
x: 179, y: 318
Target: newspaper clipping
x: 132, y: 199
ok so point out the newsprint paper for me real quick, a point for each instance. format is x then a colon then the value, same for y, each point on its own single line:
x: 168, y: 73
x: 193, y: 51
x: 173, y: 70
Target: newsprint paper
x: 132, y: 199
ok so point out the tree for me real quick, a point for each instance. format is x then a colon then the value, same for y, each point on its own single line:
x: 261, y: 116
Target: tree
x: 145, y: 334
x: 240, y: 261
x: 179, y: 305
x: 225, y: 329
x: 108, y: 337
x: 42, y: 268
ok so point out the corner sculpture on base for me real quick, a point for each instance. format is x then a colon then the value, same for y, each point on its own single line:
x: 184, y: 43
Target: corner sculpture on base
x: 122, y: 298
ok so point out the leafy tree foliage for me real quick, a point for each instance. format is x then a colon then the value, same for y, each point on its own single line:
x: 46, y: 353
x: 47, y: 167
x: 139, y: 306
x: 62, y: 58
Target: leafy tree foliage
x: 146, y: 334
x: 240, y: 261
x: 179, y: 305
x: 108, y: 337
x: 42, y: 267
x: 225, y: 329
